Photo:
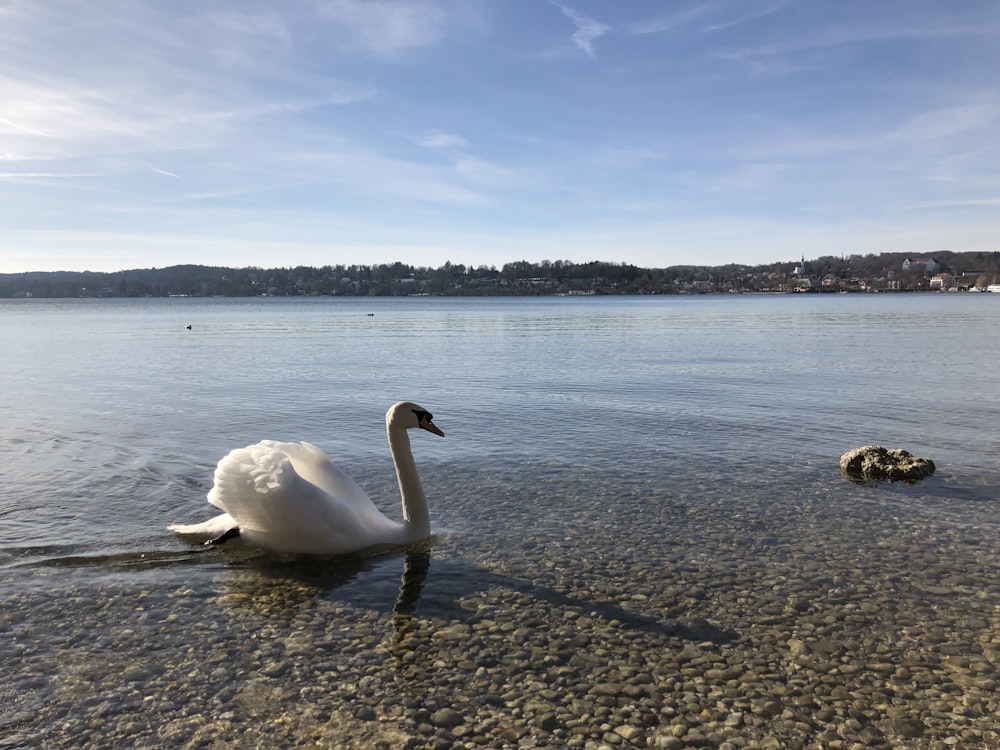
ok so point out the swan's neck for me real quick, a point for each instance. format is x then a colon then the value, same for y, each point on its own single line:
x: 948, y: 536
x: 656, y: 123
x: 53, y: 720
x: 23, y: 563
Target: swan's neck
x: 415, y: 513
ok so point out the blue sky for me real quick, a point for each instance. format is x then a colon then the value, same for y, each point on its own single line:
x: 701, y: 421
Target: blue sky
x: 147, y: 133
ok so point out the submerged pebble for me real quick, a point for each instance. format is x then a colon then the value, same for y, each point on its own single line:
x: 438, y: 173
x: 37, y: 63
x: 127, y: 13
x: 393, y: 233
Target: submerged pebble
x: 771, y: 621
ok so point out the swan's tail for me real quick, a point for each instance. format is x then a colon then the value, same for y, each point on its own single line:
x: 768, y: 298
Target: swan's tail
x: 210, y: 529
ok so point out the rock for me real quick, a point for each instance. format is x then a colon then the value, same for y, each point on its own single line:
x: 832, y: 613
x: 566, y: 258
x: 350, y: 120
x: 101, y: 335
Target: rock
x: 606, y: 688
x: 547, y: 722
x: 874, y: 462
x: 628, y: 732
x: 456, y: 632
x: 447, y: 717
x: 908, y: 727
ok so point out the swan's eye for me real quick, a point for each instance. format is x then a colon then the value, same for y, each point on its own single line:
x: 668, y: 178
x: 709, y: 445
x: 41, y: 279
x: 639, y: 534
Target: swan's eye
x: 421, y: 415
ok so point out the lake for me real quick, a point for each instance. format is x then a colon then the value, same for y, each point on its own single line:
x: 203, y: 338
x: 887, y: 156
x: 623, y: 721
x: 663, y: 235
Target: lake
x: 642, y: 536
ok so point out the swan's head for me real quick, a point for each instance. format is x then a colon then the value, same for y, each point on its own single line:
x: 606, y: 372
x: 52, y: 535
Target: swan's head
x: 408, y: 415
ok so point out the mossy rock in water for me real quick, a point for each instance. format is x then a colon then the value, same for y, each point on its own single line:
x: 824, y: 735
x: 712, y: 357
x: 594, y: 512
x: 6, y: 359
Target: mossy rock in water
x: 874, y: 462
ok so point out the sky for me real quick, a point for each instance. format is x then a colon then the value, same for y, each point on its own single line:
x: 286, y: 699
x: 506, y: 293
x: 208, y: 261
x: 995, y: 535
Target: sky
x: 150, y: 133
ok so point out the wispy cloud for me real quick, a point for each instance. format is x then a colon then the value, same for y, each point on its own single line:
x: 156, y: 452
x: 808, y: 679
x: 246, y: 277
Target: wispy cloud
x: 482, y: 172
x: 269, y: 26
x: 385, y: 28
x: 745, y: 18
x: 476, y: 170
x: 957, y: 203
x: 676, y: 19
x: 587, y: 29
x: 44, y: 175
x: 439, y: 141
x: 630, y: 157
x: 845, y: 34
x: 946, y: 122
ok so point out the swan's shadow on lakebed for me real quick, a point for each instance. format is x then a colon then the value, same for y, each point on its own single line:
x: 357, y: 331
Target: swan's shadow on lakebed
x: 427, y: 588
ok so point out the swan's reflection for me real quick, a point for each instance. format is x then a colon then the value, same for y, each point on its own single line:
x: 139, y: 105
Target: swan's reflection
x: 415, y: 568
x: 283, y: 587
x: 411, y: 585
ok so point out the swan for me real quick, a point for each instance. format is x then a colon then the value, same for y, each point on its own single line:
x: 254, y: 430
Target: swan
x: 288, y: 497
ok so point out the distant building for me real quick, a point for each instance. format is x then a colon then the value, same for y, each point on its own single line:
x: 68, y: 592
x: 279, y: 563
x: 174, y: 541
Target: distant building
x: 942, y: 281
x: 927, y: 264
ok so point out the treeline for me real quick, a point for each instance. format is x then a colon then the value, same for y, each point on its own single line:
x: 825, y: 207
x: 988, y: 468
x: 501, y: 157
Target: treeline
x: 881, y: 271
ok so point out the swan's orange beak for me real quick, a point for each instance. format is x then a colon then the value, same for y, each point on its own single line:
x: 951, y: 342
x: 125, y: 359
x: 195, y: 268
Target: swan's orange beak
x: 428, y: 425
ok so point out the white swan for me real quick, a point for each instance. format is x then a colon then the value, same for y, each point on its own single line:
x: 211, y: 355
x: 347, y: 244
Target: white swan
x: 288, y: 497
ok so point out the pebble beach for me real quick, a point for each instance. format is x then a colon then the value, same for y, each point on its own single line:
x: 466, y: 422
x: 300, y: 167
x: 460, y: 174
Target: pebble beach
x: 782, y: 620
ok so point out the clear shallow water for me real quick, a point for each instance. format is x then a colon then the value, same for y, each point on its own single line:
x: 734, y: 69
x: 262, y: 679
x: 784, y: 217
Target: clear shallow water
x: 596, y: 450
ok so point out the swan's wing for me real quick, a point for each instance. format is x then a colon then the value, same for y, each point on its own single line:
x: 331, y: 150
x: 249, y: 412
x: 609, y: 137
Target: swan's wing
x: 313, y: 465
x: 278, y: 508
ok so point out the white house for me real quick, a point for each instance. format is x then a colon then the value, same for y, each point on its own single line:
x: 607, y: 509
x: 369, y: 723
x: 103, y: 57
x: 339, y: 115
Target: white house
x: 942, y: 281
x: 912, y: 264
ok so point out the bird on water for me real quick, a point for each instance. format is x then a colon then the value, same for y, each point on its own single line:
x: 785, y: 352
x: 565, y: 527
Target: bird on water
x: 289, y: 497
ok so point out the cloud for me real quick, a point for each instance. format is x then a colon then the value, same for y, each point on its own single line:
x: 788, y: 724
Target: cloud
x: 670, y: 21
x: 957, y: 203
x: 587, y: 29
x: 630, y: 156
x: 385, y: 28
x: 472, y: 168
x: 53, y: 111
x: 846, y: 34
x: 439, y: 141
x: 344, y: 166
x: 266, y: 26
x: 946, y: 122
x: 753, y: 15
x: 482, y: 172
x: 44, y: 175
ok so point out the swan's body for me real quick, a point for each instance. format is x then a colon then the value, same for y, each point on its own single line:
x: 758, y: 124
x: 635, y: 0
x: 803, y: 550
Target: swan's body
x: 288, y: 497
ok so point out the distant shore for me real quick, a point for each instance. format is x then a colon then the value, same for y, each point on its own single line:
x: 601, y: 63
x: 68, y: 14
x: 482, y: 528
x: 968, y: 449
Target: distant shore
x: 886, y: 272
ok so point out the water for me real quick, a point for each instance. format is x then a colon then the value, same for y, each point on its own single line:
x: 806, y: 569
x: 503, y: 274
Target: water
x: 586, y: 438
